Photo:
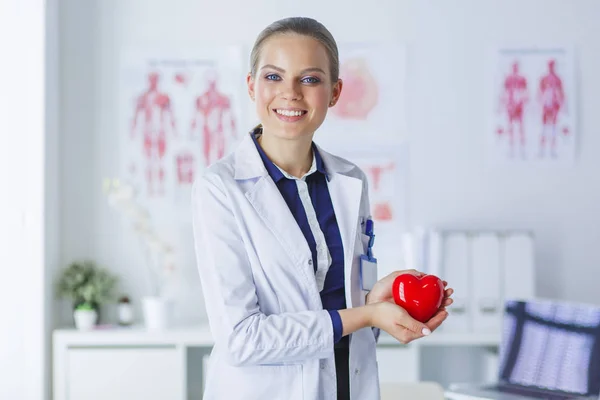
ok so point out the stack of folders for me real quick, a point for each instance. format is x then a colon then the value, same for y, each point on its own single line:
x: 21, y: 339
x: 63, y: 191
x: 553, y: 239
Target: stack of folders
x: 483, y: 267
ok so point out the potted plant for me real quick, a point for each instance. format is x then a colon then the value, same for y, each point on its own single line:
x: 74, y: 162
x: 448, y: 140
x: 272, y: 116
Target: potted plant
x: 88, y: 286
x: 85, y: 316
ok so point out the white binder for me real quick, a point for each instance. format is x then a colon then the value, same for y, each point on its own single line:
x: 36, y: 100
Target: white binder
x: 455, y: 270
x: 434, y: 253
x: 487, y: 282
x: 518, y: 266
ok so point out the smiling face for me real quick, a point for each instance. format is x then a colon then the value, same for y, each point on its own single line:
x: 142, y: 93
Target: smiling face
x: 292, y: 88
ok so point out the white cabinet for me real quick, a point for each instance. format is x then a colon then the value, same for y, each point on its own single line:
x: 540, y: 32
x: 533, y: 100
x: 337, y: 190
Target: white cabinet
x: 133, y: 363
x: 126, y: 363
x: 100, y: 373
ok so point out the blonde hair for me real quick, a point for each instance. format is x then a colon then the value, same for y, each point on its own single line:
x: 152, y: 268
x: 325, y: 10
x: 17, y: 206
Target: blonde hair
x: 301, y: 26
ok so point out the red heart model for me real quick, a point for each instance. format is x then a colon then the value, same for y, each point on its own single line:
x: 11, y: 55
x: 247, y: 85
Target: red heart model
x: 420, y: 297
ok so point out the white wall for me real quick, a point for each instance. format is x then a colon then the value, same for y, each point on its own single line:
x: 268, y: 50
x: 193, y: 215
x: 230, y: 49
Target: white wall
x: 450, y: 182
x: 52, y: 184
x: 24, y: 297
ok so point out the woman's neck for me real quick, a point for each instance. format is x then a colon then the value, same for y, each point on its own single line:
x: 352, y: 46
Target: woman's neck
x: 293, y: 156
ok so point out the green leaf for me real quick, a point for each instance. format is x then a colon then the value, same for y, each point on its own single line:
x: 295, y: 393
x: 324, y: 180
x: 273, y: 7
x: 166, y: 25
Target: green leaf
x: 84, y: 281
x: 85, y: 306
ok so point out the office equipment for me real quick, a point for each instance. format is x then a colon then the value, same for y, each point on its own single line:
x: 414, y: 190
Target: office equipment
x: 549, y: 350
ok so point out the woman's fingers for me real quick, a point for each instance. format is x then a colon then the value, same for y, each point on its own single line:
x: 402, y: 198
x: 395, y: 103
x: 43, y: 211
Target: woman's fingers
x: 408, y: 271
x: 437, y: 320
x: 396, y: 321
x: 404, y: 335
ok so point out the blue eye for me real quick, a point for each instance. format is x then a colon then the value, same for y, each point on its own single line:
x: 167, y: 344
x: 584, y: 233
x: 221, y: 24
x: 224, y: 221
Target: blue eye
x: 272, y: 77
x: 311, y: 79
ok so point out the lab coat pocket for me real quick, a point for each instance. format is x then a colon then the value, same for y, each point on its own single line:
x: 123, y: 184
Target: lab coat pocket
x: 275, y: 381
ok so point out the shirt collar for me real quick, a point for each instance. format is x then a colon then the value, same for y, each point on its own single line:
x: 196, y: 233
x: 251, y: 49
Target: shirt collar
x: 277, y: 173
x: 319, y: 161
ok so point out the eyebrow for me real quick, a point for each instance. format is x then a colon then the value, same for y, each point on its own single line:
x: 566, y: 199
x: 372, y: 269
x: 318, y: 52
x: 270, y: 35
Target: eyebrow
x: 311, y: 69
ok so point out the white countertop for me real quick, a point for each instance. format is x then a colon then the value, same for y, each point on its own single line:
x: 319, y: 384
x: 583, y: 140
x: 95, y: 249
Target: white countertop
x: 200, y: 336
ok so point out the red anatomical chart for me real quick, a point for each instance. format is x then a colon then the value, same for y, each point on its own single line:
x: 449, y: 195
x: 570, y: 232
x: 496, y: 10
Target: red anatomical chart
x: 514, y: 98
x: 534, y: 102
x: 372, y: 102
x: 183, y: 115
x: 381, y: 205
x: 186, y: 170
x: 213, y: 120
x: 153, y: 124
x: 360, y: 91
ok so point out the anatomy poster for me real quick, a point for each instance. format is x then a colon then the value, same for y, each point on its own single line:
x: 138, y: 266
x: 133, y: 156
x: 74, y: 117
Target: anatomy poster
x: 372, y: 98
x: 178, y: 113
x: 532, y: 106
x: 386, y: 169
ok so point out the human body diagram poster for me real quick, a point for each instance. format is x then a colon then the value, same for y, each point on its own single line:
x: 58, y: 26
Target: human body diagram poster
x: 532, y: 106
x: 177, y: 115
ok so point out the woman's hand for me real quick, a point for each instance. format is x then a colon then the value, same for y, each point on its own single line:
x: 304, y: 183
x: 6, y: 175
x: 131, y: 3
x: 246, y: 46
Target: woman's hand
x: 397, y: 322
x: 382, y: 312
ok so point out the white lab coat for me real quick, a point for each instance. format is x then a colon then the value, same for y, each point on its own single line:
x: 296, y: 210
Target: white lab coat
x: 273, y: 340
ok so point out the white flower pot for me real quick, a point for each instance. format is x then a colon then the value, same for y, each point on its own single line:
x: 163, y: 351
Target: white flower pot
x: 156, y: 312
x: 85, y: 320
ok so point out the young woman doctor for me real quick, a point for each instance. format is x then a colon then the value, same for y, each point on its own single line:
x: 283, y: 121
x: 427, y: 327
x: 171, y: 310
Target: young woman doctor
x: 279, y: 229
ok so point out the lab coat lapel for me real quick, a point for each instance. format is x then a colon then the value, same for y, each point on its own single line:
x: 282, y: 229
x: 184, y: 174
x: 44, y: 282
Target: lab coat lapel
x: 276, y: 215
x: 266, y: 199
x: 345, y: 192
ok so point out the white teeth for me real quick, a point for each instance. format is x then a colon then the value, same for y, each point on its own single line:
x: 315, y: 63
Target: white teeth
x: 289, y: 113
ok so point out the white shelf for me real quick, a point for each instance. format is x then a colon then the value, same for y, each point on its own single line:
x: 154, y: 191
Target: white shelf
x: 200, y: 336
x: 194, y: 336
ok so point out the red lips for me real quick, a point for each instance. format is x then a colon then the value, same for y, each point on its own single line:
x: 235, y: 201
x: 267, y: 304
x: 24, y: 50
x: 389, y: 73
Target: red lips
x: 420, y: 297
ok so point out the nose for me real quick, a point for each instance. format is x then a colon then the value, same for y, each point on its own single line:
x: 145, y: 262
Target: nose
x: 291, y: 91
